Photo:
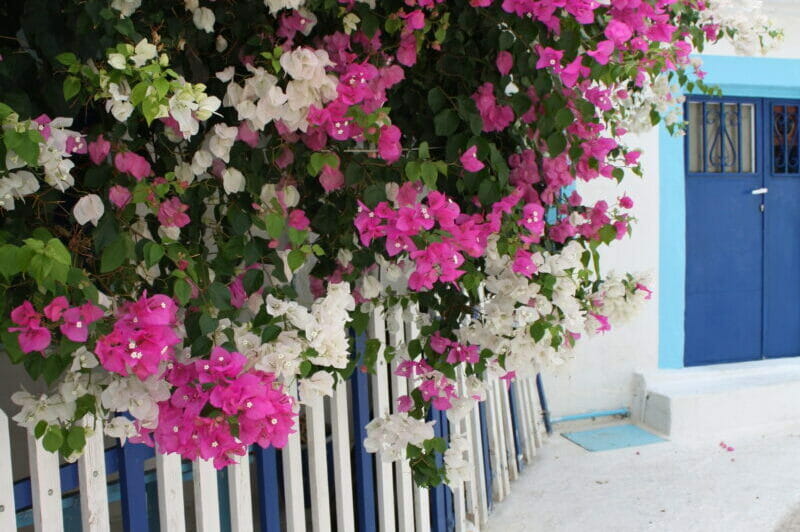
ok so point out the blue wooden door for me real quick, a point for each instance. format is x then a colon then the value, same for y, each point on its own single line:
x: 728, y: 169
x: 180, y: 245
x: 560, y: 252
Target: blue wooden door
x: 742, y: 231
x: 782, y: 231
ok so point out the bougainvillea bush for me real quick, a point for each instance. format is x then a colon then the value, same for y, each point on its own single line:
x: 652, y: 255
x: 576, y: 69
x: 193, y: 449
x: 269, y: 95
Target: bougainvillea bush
x: 203, y: 202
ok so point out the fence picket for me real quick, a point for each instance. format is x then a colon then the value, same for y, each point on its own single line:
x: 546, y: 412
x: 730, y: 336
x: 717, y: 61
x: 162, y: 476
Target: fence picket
x: 404, y: 484
x: 293, y: 479
x: 496, y: 444
x: 480, y: 504
x: 508, y: 430
x: 169, y: 476
x: 8, y: 519
x: 422, y: 498
x: 92, y: 480
x: 523, y: 417
x: 318, y: 465
x: 45, y: 488
x: 343, y: 480
x: 206, y: 496
x: 240, y: 496
x: 380, y: 407
x: 535, y: 412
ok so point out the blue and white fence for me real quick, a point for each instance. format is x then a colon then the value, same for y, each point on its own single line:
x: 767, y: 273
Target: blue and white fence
x: 322, y: 480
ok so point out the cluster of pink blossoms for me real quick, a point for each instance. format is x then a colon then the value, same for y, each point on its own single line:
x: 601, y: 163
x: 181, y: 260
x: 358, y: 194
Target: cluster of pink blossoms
x: 142, y: 338
x: 435, y: 388
x: 73, y: 322
x: 456, y: 352
x: 218, y: 408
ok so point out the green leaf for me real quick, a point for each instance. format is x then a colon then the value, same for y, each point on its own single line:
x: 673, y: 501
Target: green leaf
x: 56, y: 250
x: 446, y: 123
x: 67, y: 58
x: 296, y: 259
x: 207, y: 324
x: 219, y: 295
x: 564, y: 118
x: 11, y: 346
x: 76, y: 438
x: 24, y: 145
x: 72, y: 86
x: 150, y: 109
x: 436, y: 99
x: 152, y: 253
x: 275, y: 225
x: 538, y: 329
x: 40, y: 429
x: 114, y: 255
x: 53, y: 438
x: 556, y: 143
x: 414, y: 170
x: 9, y: 265
x: 371, y: 351
x: 182, y: 291
x: 429, y: 174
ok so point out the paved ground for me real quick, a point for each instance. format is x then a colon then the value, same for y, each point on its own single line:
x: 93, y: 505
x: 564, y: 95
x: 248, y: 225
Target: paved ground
x: 662, y: 487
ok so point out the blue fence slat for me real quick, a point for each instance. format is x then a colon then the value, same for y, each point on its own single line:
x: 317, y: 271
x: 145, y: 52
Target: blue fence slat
x: 132, y: 486
x: 487, y: 463
x: 268, y: 482
x: 438, y: 494
x: 512, y: 402
x: 365, y: 474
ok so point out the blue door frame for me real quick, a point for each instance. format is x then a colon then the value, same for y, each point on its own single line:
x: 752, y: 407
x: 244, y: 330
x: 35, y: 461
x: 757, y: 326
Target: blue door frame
x: 742, y: 250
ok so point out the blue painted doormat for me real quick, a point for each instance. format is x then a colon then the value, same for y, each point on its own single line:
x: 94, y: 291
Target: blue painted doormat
x: 608, y: 438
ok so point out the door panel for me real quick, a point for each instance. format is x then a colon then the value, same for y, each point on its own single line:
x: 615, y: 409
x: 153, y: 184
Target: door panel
x: 724, y: 232
x: 782, y: 234
x: 723, y: 270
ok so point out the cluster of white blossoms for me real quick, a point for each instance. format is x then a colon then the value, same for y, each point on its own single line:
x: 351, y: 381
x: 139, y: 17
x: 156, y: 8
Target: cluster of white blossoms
x: 260, y: 100
x: 752, y: 30
x: 620, y: 296
x: 55, y: 152
x: 658, y: 94
x: 391, y: 434
x: 456, y: 463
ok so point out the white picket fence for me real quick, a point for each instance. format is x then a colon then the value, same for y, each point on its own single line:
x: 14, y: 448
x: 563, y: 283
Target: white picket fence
x: 399, y: 505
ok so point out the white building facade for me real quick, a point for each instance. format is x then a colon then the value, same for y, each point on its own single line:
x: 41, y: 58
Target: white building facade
x: 712, y: 351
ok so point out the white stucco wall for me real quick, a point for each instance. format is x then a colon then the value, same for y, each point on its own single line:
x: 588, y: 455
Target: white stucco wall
x: 599, y: 375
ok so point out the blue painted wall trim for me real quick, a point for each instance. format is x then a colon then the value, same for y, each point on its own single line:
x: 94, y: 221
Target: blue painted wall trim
x: 757, y: 77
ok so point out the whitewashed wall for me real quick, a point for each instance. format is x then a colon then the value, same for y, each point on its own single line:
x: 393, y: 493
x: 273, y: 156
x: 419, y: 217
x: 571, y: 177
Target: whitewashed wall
x: 600, y: 374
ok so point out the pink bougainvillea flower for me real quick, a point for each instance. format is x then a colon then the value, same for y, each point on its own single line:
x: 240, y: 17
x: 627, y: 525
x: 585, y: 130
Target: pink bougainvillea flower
x: 603, y: 52
x: 132, y: 164
x: 604, y: 325
x: 643, y: 288
x: 120, y: 196
x: 618, y: 32
x: 298, y: 220
x: 504, y: 62
x: 389, y: 144
x: 407, y: 52
x: 523, y: 263
x: 76, y: 144
x: 43, y: 125
x: 55, y: 308
x: 549, y: 58
x: 25, y: 314
x: 172, y: 213
x: 77, y: 321
x: 32, y: 337
x: 626, y: 202
x: 331, y: 178
x: 469, y: 160
x: 247, y: 135
x: 404, y: 403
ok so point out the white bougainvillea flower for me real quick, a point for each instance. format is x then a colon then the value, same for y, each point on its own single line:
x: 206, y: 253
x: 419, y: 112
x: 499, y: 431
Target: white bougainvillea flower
x: 126, y: 7
x: 204, y: 19
x: 117, y: 61
x: 276, y: 5
x: 233, y: 180
x: 143, y: 52
x: 317, y: 385
x: 89, y: 209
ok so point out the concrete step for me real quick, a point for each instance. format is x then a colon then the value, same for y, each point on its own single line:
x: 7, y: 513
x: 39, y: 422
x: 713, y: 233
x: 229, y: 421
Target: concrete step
x: 719, y: 400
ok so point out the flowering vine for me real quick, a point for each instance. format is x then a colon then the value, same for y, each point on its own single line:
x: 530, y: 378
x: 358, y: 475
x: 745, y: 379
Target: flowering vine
x: 228, y: 188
